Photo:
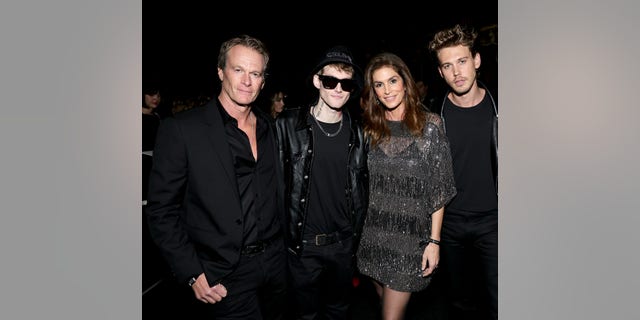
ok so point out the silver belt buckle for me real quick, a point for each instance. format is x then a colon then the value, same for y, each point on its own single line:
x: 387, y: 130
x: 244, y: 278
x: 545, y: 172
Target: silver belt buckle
x: 318, y: 237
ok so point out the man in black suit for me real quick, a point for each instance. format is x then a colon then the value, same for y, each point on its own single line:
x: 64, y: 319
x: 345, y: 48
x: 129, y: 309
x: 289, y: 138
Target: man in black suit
x: 215, y: 194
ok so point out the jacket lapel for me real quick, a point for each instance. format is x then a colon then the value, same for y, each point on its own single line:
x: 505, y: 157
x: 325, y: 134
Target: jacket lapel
x: 217, y: 138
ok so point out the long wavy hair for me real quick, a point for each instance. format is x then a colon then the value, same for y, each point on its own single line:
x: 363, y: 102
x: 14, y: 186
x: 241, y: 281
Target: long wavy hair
x: 375, y: 124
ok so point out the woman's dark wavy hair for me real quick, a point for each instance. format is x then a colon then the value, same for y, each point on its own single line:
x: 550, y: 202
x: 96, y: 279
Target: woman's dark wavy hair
x: 375, y: 124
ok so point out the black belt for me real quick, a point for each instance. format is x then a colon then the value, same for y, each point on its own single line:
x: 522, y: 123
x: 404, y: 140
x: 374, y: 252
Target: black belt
x: 326, y: 239
x: 260, y: 245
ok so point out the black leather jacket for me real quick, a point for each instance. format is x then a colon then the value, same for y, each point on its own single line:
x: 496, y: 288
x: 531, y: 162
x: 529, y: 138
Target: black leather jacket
x: 494, y: 133
x: 295, y: 140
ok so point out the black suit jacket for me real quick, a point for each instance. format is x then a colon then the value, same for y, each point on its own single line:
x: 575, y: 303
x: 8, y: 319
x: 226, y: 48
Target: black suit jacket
x: 194, y: 209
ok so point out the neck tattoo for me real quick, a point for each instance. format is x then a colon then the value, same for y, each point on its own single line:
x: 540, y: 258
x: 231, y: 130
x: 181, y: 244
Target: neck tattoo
x: 313, y: 115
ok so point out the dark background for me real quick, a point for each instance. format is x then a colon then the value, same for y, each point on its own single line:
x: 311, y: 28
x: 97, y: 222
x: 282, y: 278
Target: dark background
x: 181, y: 42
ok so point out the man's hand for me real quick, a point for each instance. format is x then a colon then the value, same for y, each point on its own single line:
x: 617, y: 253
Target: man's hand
x: 208, y: 294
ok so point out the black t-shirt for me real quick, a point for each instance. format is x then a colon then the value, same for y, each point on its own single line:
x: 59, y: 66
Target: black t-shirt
x: 469, y: 132
x: 327, y: 211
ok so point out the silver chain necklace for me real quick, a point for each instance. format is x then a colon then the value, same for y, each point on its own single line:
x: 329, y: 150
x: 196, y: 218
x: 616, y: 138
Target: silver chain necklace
x: 321, y: 129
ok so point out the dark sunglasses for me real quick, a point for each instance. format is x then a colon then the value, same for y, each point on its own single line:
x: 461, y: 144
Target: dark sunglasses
x: 329, y: 82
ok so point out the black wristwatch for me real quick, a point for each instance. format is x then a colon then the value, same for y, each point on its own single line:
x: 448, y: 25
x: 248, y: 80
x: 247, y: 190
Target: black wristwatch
x: 192, y: 281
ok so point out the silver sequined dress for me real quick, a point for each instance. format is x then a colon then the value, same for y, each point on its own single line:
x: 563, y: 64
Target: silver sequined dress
x: 410, y: 178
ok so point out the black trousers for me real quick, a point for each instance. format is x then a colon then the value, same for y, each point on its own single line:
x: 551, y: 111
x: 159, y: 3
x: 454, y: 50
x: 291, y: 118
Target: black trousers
x: 257, y: 289
x: 469, y: 251
x: 321, y: 280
